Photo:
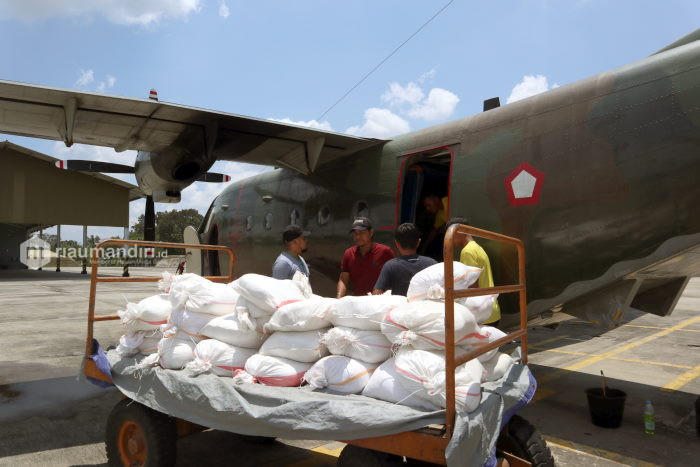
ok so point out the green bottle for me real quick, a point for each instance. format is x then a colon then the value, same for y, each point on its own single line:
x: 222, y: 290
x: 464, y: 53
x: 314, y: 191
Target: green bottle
x: 649, y: 421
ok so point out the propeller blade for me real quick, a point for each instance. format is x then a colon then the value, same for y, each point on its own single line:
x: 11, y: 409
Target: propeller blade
x: 94, y: 166
x: 213, y: 177
x: 149, y: 220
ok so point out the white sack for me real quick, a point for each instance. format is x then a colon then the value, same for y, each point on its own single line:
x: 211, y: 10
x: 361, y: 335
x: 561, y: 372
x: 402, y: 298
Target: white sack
x: 210, y: 298
x: 304, y: 346
x: 143, y: 342
x: 146, y: 315
x: 421, y: 324
x: 368, y: 346
x: 237, y: 329
x: 364, y: 312
x: 218, y: 358
x: 430, y: 282
x: 497, y: 366
x: 483, y: 336
x: 254, y: 310
x: 187, y: 322
x: 269, y: 293
x: 149, y: 344
x: 304, y: 315
x: 422, y: 373
x: 175, y: 352
x: 481, y: 306
x: 168, y: 280
x: 276, y: 371
x: 384, y: 385
x: 340, y: 374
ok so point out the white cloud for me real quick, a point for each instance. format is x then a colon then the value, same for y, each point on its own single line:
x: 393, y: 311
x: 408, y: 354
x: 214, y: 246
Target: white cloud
x: 529, y: 86
x: 397, y: 94
x: 124, y: 12
x: 86, y: 77
x: 427, y: 76
x: 108, y: 83
x: 380, y: 123
x: 311, y: 123
x: 410, y: 100
x: 224, y: 11
x: 439, y: 105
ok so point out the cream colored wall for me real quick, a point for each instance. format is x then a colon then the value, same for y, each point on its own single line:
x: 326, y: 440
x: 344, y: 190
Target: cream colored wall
x: 33, y: 191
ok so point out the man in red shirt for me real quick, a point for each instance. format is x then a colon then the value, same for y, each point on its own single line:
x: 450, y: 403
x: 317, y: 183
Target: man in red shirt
x: 363, y: 262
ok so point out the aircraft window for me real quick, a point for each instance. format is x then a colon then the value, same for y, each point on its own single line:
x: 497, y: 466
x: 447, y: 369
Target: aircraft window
x: 324, y: 215
x: 294, y: 217
x: 249, y: 222
x: 268, y: 221
x: 361, y: 209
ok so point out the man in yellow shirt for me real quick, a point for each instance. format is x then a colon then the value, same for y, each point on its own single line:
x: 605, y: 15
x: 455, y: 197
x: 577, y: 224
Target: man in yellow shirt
x: 439, y: 207
x: 473, y: 254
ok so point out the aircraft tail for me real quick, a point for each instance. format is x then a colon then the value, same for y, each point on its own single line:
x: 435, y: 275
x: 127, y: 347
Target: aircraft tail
x: 687, y: 39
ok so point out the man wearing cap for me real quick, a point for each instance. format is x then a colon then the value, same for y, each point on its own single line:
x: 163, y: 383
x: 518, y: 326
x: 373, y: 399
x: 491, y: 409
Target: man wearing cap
x: 362, y: 263
x: 290, y: 260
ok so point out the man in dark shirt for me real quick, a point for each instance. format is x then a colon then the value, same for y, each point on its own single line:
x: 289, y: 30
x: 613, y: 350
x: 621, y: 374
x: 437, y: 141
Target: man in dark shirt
x: 361, y: 263
x: 396, y: 274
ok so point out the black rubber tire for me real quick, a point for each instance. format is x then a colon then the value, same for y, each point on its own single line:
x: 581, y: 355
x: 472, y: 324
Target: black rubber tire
x: 355, y: 456
x: 521, y: 439
x: 159, y: 432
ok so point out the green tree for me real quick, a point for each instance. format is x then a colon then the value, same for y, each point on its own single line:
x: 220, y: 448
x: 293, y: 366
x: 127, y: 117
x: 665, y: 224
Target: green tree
x: 170, y: 225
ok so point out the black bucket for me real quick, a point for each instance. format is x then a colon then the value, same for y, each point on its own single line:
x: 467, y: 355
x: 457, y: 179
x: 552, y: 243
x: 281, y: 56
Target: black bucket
x: 606, y: 411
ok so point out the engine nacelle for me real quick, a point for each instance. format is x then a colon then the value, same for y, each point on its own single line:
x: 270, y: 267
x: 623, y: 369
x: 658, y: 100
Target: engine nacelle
x: 169, y: 196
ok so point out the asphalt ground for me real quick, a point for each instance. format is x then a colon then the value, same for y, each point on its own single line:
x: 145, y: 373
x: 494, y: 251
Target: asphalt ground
x: 47, y: 417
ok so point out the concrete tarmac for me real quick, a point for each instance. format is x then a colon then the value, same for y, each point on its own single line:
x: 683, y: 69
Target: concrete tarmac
x: 47, y: 417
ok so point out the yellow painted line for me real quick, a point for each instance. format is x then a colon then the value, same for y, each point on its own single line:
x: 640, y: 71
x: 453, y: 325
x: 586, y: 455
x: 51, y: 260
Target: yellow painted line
x: 677, y: 383
x: 330, y: 452
x: 546, y: 341
x: 567, y: 352
x: 596, y: 452
x: 623, y: 348
x: 659, y: 327
x: 318, y: 456
x: 645, y: 362
x: 542, y: 393
x: 621, y: 359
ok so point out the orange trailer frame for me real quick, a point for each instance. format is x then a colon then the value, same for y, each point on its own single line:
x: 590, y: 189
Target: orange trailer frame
x: 90, y: 368
x: 426, y: 444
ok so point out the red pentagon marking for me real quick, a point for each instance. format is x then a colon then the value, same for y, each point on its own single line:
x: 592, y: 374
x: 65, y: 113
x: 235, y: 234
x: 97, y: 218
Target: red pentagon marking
x: 523, y: 185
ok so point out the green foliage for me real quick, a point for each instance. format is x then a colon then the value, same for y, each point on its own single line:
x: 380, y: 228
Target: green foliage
x: 170, y: 225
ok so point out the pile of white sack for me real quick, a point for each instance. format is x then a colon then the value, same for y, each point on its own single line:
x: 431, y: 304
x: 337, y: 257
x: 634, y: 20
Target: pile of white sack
x: 276, y: 332
x: 356, y: 343
x: 296, y: 319
x: 415, y: 376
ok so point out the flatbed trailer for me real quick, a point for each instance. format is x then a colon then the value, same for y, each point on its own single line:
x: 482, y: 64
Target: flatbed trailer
x: 137, y: 435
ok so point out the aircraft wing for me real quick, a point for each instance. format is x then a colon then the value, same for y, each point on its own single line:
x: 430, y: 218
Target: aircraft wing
x: 148, y: 125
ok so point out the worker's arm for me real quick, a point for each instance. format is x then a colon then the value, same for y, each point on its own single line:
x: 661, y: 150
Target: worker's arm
x: 383, y: 283
x: 428, y: 240
x: 343, y: 283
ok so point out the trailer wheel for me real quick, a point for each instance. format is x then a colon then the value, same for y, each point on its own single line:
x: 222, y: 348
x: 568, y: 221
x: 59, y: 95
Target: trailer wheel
x: 521, y: 439
x: 139, y: 436
x: 355, y: 456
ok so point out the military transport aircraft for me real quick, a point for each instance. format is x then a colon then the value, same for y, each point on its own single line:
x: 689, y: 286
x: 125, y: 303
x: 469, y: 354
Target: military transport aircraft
x: 600, y: 178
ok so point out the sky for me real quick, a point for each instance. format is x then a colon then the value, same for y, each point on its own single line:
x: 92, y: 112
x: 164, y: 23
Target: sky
x: 291, y: 61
